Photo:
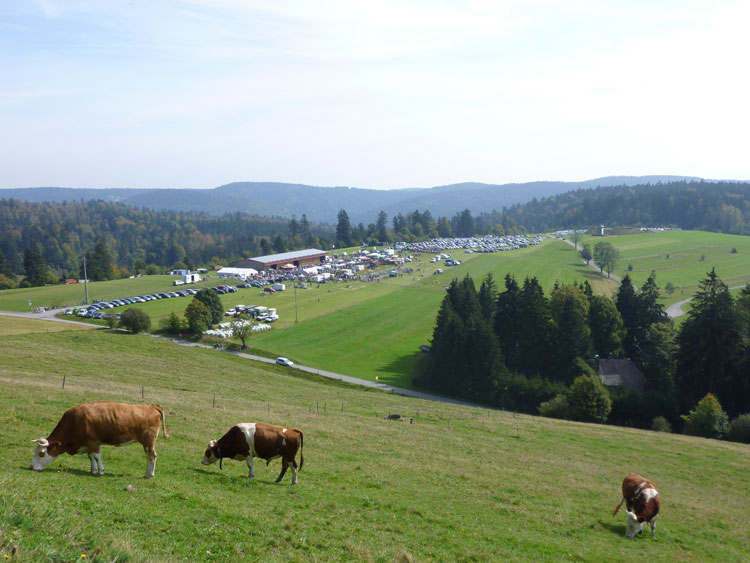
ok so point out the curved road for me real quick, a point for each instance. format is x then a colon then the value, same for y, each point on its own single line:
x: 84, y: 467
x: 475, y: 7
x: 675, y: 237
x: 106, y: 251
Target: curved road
x: 50, y: 316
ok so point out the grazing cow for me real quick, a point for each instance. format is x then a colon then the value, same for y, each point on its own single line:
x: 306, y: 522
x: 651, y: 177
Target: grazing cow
x: 83, y: 428
x: 642, y: 502
x: 250, y: 439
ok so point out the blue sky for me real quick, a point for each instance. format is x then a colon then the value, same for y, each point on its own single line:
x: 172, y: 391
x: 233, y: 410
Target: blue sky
x: 387, y: 94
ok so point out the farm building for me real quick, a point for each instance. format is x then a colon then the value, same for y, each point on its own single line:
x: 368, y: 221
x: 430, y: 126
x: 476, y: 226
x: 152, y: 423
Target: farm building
x: 616, y: 373
x: 296, y: 259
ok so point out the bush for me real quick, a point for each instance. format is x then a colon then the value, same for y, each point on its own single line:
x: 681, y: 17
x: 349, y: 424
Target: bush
x: 135, y: 320
x: 198, y: 316
x: 589, y: 399
x: 556, y: 407
x: 212, y: 302
x: 525, y: 394
x: 661, y: 424
x: 707, y: 420
x: 172, y: 324
x: 739, y: 430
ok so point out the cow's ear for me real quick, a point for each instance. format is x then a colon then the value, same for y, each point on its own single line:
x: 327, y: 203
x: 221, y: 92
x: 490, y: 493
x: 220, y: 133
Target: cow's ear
x: 55, y: 444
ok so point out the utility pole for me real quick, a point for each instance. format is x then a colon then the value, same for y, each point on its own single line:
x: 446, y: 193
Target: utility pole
x: 295, y: 301
x: 85, y: 279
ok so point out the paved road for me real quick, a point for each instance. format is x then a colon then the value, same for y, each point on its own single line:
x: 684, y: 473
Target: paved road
x: 594, y: 266
x: 50, y: 316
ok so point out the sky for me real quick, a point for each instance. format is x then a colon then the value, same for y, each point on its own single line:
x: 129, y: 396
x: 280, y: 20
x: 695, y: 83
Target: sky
x: 379, y: 94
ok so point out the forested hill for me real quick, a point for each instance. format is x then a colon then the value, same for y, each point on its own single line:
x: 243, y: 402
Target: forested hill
x: 720, y: 207
x: 321, y: 204
x: 61, y: 231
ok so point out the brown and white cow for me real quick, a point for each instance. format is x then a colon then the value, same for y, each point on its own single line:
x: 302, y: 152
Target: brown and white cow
x: 642, y: 502
x: 250, y: 439
x: 85, y: 427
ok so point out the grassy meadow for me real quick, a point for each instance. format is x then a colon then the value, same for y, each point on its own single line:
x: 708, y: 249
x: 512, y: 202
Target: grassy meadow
x: 459, y: 484
x: 374, y: 329
x: 681, y: 257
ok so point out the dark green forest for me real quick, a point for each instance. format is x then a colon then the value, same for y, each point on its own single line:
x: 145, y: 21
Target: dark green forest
x: 692, y: 205
x: 519, y: 349
x: 134, y: 238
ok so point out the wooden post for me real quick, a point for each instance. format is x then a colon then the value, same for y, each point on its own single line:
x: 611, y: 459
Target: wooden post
x: 142, y: 392
x: 63, y: 381
x: 213, y: 404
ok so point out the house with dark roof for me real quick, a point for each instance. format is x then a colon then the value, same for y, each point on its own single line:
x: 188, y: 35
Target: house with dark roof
x: 621, y: 373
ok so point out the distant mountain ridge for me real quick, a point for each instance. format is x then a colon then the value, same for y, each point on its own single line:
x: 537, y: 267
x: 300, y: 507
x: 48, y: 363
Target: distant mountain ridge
x: 321, y: 204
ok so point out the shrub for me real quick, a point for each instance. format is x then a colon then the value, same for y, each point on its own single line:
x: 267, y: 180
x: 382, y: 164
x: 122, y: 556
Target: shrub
x: 172, y: 324
x: 135, y: 320
x: 556, y: 407
x: 661, y: 424
x: 212, y: 302
x: 198, y: 316
x: 707, y: 420
x: 739, y: 430
x: 525, y: 394
x: 589, y: 399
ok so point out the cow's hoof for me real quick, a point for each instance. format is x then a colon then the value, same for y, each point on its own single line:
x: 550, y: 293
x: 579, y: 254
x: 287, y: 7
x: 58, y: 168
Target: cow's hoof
x: 148, y: 476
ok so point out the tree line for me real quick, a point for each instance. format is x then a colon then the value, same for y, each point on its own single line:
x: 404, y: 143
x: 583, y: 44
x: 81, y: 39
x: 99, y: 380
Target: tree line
x: 520, y: 349
x: 46, y: 242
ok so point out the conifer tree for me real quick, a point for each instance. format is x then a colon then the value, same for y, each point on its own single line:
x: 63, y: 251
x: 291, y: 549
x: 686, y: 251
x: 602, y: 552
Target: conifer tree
x: 711, y: 356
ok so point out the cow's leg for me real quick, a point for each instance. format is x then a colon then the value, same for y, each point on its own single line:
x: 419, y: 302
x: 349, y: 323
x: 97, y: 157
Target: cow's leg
x: 294, y: 472
x: 250, y: 467
x: 151, y: 461
x: 92, y: 459
x: 284, y: 465
x: 653, y: 525
x: 99, y: 462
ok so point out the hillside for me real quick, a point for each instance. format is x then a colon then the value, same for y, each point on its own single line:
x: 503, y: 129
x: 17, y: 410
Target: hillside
x: 458, y: 484
x: 321, y: 204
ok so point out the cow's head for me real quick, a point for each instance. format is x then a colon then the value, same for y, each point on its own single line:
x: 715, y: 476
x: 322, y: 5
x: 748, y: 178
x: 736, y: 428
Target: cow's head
x: 210, y: 456
x: 634, y: 527
x: 42, y: 457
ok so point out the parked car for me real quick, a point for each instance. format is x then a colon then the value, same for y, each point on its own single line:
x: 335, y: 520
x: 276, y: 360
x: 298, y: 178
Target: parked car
x: 284, y: 362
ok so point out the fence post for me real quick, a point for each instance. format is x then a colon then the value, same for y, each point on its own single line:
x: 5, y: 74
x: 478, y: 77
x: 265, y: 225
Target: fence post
x: 63, y: 381
x: 213, y: 404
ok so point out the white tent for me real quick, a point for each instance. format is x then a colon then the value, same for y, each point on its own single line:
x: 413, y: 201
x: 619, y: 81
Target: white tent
x: 241, y: 273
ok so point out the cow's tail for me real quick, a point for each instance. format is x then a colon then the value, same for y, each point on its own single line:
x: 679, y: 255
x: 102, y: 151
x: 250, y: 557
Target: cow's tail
x: 164, y: 428
x: 301, y: 444
x: 618, y: 506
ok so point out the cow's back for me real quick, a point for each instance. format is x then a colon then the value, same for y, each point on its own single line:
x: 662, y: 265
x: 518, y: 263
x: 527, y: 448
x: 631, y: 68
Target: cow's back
x: 107, y: 423
x: 641, y: 496
x: 270, y: 440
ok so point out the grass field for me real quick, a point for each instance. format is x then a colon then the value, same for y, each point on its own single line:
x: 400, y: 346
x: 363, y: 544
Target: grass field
x: 459, y: 484
x: 374, y: 329
x: 682, y: 258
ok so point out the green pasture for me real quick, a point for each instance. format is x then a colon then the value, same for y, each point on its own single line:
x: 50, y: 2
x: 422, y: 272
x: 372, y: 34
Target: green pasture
x: 375, y: 329
x: 380, y: 336
x: 459, y: 484
x: 681, y: 257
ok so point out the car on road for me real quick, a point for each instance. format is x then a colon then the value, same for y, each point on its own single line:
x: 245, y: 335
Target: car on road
x: 284, y: 362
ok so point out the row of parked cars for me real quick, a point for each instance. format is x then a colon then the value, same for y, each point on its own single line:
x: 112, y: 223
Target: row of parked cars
x: 99, y: 310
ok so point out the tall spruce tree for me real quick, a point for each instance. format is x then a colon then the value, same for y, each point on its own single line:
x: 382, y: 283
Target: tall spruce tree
x: 606, y: 326
x: 571, y: 333
x: 507, y: 321
x: 535, y: 343
x: 35, y: 267
x: 343, y: 229
x: 711, y: 356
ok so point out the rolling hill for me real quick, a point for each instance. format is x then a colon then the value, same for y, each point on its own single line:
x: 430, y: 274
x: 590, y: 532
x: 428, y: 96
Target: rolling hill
x: 321, y: 204
x: 459, y: 484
